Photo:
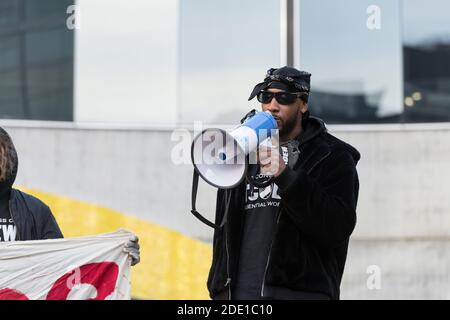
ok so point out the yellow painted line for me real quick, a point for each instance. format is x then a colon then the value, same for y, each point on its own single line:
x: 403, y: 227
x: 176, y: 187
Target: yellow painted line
x: 173, y: 266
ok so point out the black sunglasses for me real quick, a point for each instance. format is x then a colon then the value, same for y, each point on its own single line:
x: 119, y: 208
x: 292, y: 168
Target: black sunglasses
x: 282, y: 97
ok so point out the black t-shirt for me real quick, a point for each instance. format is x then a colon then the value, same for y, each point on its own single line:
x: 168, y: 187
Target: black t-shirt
x: 261, y: 213
x: 7, y: 226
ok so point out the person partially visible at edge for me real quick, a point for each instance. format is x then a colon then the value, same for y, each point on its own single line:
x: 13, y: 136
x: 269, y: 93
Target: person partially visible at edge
x: 288, y: 240
x: 24, y: 217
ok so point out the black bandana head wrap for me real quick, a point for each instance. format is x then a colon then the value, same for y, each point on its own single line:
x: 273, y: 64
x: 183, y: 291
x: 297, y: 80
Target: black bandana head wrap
x: 286, y: 78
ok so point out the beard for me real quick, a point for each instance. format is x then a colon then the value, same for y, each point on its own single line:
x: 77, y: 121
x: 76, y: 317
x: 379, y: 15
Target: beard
x: 288, y: 126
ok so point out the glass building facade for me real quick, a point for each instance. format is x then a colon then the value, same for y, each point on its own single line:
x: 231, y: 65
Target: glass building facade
x: 397, y: 72
x: 426, y: 61
x: 225, y: 49
x: 36, y: 60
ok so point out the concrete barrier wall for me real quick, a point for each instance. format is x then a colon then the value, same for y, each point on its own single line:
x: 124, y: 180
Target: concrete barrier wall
x: 403, y: 212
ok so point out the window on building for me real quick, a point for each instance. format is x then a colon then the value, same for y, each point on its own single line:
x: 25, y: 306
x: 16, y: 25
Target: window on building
x: 426, y: 52
x: 36, y: 60
x: 398, y: 71
x: 226, y: 48
x: 356, y: 68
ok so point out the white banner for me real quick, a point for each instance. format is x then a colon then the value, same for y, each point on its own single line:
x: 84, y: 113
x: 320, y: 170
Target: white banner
x: 66, y: 269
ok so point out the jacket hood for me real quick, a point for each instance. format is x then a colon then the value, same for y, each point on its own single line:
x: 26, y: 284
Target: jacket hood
x: 316, y: 126
x: 355, y: 153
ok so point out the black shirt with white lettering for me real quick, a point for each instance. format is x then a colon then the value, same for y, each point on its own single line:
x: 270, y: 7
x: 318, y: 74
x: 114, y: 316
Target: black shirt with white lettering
x: 261, y: 213
x: 7, y: 226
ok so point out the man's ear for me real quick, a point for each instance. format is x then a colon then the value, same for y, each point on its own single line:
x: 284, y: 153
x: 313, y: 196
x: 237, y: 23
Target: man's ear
x: 303, y: 106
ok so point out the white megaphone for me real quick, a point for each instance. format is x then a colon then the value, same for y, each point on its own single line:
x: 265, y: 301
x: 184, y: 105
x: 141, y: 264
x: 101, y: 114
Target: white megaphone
x: 220, y: 158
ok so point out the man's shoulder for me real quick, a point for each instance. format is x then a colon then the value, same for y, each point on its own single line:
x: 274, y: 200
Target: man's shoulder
x: 339, y: 147
x: 33, y: 203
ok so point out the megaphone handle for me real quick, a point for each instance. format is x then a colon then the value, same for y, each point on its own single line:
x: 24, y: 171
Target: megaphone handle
x: 198, y: 215
x: 249, y: 114
x: 260, y: 185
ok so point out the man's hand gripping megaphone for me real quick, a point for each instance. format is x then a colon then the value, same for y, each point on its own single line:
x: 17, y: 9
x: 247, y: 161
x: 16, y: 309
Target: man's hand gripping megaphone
x: 269, y: 159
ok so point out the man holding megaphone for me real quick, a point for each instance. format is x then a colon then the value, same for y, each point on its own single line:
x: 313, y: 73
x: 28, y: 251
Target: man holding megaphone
x: 288, y: 239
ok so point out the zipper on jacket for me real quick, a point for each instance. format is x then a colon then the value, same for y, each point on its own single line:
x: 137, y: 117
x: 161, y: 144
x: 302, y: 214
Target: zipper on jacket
x: 228, y: 283
x: 268, y: 257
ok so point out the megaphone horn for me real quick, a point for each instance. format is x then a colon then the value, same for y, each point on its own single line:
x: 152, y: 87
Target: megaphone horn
x: 220, y: 158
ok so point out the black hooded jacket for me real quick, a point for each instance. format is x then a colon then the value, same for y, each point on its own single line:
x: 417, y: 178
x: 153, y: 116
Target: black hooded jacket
x: 316, y: 218
x: 33, y: 219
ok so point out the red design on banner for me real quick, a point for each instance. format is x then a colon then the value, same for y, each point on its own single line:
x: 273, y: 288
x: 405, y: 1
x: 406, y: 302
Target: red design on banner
x: 11, y: 294
x: 102, y: 275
